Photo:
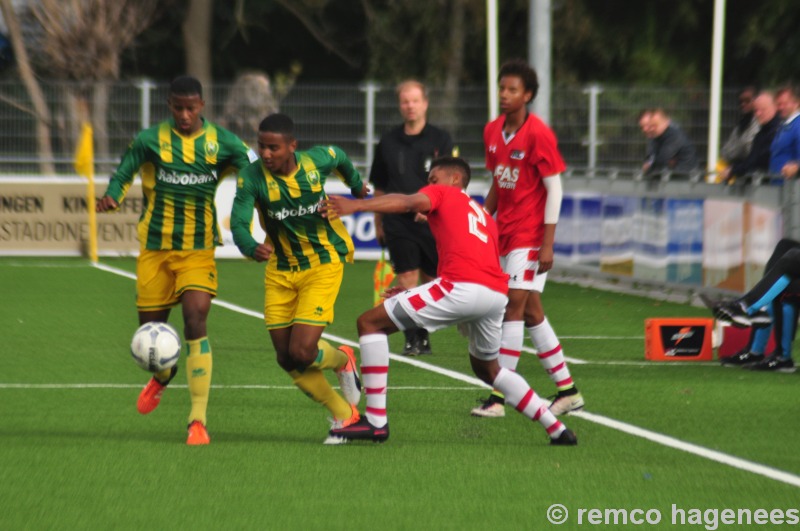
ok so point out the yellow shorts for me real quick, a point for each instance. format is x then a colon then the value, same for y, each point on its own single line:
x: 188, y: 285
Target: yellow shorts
x: 163, y: 276
x: 304, y: 297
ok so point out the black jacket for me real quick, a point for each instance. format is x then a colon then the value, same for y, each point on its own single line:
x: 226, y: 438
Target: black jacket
x: 758, y: 158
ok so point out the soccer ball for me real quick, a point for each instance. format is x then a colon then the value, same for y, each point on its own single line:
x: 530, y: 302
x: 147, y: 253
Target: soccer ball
x: 156, y: 347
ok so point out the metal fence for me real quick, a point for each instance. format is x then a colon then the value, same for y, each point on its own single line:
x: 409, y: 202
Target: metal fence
x: 596, y: 125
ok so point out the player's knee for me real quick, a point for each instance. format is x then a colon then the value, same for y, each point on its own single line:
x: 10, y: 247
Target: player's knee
x: 485, y: 370
x: 286, y: 363
x: 366, y: 324
x: 303, y: 355
x: 533, y: 319
x: 194, y: 321
x: 194, y: 327
x: 376, y: 321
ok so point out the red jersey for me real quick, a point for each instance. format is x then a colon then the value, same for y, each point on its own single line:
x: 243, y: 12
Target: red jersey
x: 466, y: 238
x: 518, y: 167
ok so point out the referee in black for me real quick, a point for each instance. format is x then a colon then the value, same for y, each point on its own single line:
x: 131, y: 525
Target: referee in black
x: 402, y: 161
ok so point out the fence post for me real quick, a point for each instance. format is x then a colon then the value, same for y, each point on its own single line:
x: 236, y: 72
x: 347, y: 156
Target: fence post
x: 371, y: 88
x: 592, y: 142
x: 145, y: 86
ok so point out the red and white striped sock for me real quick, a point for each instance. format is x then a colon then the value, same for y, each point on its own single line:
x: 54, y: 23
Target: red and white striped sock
x: 549, y: 352
x: 375, y: 376
x: 511, y: 344
x: 520, y: 395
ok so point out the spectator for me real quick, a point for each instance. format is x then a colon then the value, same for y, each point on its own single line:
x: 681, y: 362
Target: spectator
x: 644, y: 124
x: 401, y: 165
x: 739, y: 142
x: 785, y: 149
x: 758, y: 159
x: 670, y: 148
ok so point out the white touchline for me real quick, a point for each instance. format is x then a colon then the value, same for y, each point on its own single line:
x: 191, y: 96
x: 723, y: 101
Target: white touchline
x: 214, y: 386
x: 713, y: 455
x: 630, y: 429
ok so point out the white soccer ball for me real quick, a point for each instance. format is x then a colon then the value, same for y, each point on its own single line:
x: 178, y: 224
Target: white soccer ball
x: 156, y: 347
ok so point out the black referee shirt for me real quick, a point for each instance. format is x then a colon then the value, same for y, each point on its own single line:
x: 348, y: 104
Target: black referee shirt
x: 402, y: 161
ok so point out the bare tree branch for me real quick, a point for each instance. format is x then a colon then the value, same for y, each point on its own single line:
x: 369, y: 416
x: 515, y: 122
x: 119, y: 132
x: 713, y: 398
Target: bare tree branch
x: 317, y: 32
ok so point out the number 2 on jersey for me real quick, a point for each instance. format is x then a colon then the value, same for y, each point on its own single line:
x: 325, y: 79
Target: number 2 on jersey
x: 477, y: 222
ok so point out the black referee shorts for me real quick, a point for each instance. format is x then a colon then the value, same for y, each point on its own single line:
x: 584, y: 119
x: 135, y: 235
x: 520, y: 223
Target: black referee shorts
x: 413, y: 248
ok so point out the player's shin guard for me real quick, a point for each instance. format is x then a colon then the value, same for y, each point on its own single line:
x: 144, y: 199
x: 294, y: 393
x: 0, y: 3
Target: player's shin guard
x: 375, y: 376
x: 313, y: 384
x: 198, y: 374
x: 549, y: 352
x: 328, y: 357
x: 511, y: 344
x: 525, y: 400
x: 510, y: 348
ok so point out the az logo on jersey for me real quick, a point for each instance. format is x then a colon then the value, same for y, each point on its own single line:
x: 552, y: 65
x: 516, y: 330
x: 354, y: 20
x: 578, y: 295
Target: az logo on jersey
x: 517, y: 155
x: 506, y: 177
x: 212, y: 148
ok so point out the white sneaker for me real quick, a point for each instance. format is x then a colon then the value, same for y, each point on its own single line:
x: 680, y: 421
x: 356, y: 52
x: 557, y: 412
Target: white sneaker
x: 349, y: 382
x: 338, y: 424
x: 331, y: 440
x: 564, y: 404
x: 491, y: 407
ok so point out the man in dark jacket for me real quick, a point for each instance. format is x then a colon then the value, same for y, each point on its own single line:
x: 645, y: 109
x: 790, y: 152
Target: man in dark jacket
x: 670, y: 149
x: 758, y: 159
x: 402, y: 161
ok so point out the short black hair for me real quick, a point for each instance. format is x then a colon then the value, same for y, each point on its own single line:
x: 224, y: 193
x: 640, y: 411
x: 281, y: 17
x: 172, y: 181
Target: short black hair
x: 186, y: 86
x: 456, y: 164
x: 277, y: 123
x: 521, y: 69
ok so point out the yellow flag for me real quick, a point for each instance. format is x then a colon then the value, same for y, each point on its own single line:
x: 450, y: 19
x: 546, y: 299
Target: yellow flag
x: 84, y: 153
x: 84, y: 165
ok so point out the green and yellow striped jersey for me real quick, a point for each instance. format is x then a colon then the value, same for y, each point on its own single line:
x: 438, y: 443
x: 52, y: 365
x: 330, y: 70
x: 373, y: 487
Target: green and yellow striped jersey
x: 288, y: 209
x: 180, y: 175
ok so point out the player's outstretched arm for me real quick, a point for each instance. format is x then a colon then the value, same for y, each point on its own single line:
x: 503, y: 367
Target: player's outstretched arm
x: 385, y: 204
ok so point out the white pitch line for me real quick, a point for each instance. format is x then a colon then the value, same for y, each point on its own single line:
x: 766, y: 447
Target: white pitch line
x: 216, y: 386
x: 713, y: 455
x: 658, y: 438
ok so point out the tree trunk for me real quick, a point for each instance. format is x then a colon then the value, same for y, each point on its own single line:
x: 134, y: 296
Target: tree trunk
x: 43, y: 118
x: 197, y: 42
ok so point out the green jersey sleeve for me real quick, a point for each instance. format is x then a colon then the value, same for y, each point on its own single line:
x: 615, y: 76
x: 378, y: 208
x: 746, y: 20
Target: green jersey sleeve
x: 339, y: 164
x: 242, y: 210
x: 133, y: 159
x: 240, y: 155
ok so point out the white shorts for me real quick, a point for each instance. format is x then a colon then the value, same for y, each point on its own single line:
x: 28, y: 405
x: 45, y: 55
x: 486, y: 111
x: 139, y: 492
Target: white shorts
x: 522, y: 267
x: 438, y: 304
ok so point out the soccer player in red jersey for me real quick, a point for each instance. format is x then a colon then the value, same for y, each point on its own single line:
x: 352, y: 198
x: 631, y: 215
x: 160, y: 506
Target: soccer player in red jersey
x: 522, y: 154
x: 469, y: 291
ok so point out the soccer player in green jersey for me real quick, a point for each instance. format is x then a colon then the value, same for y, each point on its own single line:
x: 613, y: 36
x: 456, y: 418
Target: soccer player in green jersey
x: 305, y: 255
x: 181, y: 162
